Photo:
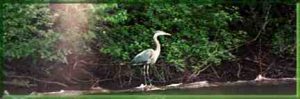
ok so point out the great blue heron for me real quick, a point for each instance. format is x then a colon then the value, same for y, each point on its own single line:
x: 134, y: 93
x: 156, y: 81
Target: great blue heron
x: 148, y: 57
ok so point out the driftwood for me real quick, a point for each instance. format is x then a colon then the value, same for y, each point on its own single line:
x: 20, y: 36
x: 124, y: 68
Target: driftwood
x: 201, y: 84
x: 35, y: 79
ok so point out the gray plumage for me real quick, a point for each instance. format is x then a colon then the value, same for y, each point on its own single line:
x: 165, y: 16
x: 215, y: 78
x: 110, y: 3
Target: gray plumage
x: 143, y: 58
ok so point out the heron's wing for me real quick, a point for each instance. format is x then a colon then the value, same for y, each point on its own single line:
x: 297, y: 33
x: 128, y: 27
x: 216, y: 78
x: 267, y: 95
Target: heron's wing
x: 143, y: 57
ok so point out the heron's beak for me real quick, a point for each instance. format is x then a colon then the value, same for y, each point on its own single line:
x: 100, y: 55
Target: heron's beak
x: 168, y: 34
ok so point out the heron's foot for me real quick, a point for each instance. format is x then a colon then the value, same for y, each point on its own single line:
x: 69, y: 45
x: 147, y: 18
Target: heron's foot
x: 147, y: 88
x: 144, y: 87
x: 150, y: 81
x: 152, y: 87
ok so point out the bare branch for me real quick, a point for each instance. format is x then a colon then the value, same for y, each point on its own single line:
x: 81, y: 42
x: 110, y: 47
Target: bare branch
x: 43, y: 81
x: 263, y: 28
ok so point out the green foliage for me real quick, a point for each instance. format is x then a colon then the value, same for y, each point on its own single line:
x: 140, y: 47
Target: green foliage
x: 279, y: 33
x: 27, y: 32
x: 284, y: 32
x: 282, y: 45
x: 200, y: 33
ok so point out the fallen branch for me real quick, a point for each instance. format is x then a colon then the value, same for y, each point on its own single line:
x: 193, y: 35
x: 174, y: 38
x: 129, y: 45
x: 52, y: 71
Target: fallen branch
x: 200, y: 84
x: 19, y: 83
x: 39, y: 80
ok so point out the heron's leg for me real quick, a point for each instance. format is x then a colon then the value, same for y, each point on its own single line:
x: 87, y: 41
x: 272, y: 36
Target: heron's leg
x: 145, y: 76
x: 148, y: 76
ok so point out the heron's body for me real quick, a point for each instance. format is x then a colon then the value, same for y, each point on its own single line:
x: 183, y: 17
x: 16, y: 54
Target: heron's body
x: 145, y: 57
x: 149, y: 57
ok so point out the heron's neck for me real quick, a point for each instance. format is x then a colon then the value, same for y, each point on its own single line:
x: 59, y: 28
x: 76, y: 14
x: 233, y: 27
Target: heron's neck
x: 156, y: 43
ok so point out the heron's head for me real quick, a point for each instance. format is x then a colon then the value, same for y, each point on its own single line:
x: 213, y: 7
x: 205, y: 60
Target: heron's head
x: 158, y: 33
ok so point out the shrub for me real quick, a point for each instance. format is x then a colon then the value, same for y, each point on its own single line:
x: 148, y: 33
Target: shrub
x: 200, y: 33
x: 28, y: 33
